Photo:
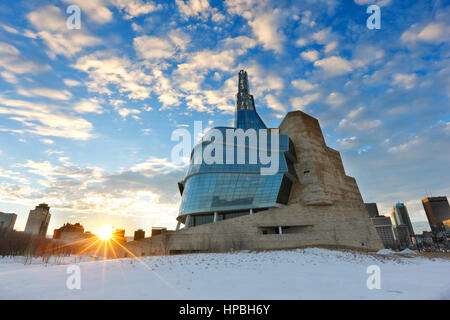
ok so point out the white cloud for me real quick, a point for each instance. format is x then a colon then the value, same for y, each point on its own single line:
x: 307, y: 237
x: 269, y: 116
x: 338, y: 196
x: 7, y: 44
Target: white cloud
x: 46, y: 119
x: 331, y: 46
x: 96, y: 10
x: 334, y: 66
x: 54, y: 94
x: 356, y: 113
x: 264, y: 20
x: 433, y: 32
x: 135, y: 8
x: 359, y: 125
x: 155, y: 48
x: 348, y: 143
x: 71, y: 82
x: 150, y: 47
x: 125, y: 112
x: 9, y: 77
x: 301, y: 102
x: 194, y: 8
x: 13, y: 175
x: 310, y: 55
x: 105, y: 69
x: 335, y: 99
x: 52, y: 29
x: 266, y: 29
x: 88, y: 106
x: 380, y: 3
x: 10, y: 29
x: 150, y: 186
x: 47, y: 141
x: 404, y: 80
x: 273, y: 103
x: 13, y: 63
x: 301, y: 42
x: 303, y: 85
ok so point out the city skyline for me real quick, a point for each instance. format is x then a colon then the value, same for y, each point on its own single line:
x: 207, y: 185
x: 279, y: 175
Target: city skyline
x: 86, y: 115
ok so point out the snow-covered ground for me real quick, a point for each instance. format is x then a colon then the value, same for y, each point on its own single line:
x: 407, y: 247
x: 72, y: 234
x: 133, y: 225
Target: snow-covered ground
x: 296, y: 274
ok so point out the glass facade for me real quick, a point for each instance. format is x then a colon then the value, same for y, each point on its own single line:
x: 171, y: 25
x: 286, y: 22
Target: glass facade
x: 233, y: 185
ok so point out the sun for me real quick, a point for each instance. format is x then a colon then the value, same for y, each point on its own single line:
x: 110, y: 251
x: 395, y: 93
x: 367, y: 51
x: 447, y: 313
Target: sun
x: 104, y: 233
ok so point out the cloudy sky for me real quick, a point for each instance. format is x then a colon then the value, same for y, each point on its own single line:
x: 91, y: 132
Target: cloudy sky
x: 86, y: 115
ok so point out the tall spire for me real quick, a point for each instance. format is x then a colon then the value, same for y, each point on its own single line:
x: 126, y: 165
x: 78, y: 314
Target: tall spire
x: 246, y: 116
x: 244, y: 98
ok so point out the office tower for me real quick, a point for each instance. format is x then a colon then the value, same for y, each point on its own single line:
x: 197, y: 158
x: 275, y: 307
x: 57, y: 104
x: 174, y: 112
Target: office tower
x: 38, y: 220
x: 437, y: 210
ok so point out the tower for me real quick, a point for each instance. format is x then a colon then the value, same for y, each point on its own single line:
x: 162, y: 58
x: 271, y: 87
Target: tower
x: 246, y: 115
x: 38, y: 220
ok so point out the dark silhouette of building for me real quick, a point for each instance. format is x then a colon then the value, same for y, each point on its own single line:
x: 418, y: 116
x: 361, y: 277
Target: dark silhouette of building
x: 383, y: 225
x: 438, y: 211
x: 74, y: 230
x: 156, y: 231
x: 372, y: 209
x: 7, y: 220
x: 38, y: 220
x: 139, y: 234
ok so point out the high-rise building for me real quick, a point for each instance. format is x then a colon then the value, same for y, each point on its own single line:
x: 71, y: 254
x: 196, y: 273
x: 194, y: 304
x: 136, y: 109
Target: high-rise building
x: 38, y: 220
x: 402, y: 224
x: 438, y: 211
x: 383, y: 225
x: 7, y: 220
x: 400, y: 216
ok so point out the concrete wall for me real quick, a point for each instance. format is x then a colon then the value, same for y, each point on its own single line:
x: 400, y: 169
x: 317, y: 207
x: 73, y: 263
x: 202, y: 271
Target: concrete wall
x: 325, y: 207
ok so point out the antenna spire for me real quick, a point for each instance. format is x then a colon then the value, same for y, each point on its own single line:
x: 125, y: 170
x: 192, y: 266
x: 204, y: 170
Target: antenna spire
x: 244, y: 99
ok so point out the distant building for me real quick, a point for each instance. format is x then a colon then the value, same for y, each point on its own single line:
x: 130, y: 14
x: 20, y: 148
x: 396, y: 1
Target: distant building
x: 70, y: 232
x: 400, y: 216
x: 446, y: 224
x: 139, y: 234
x: 156, y: 230
x: 7, y: 220
x: 372, y: 209
x: 402, y: 235
x: 438, y: 211
x: 38, y: 220
x: 119, y: 235
x: 427, y: 238
x: 383, y: 225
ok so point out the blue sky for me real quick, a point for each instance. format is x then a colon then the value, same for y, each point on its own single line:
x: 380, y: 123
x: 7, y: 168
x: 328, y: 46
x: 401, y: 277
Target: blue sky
x: 86, y: 115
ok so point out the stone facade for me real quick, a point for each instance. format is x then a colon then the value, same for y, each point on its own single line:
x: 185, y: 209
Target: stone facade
x: 325, y: 208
